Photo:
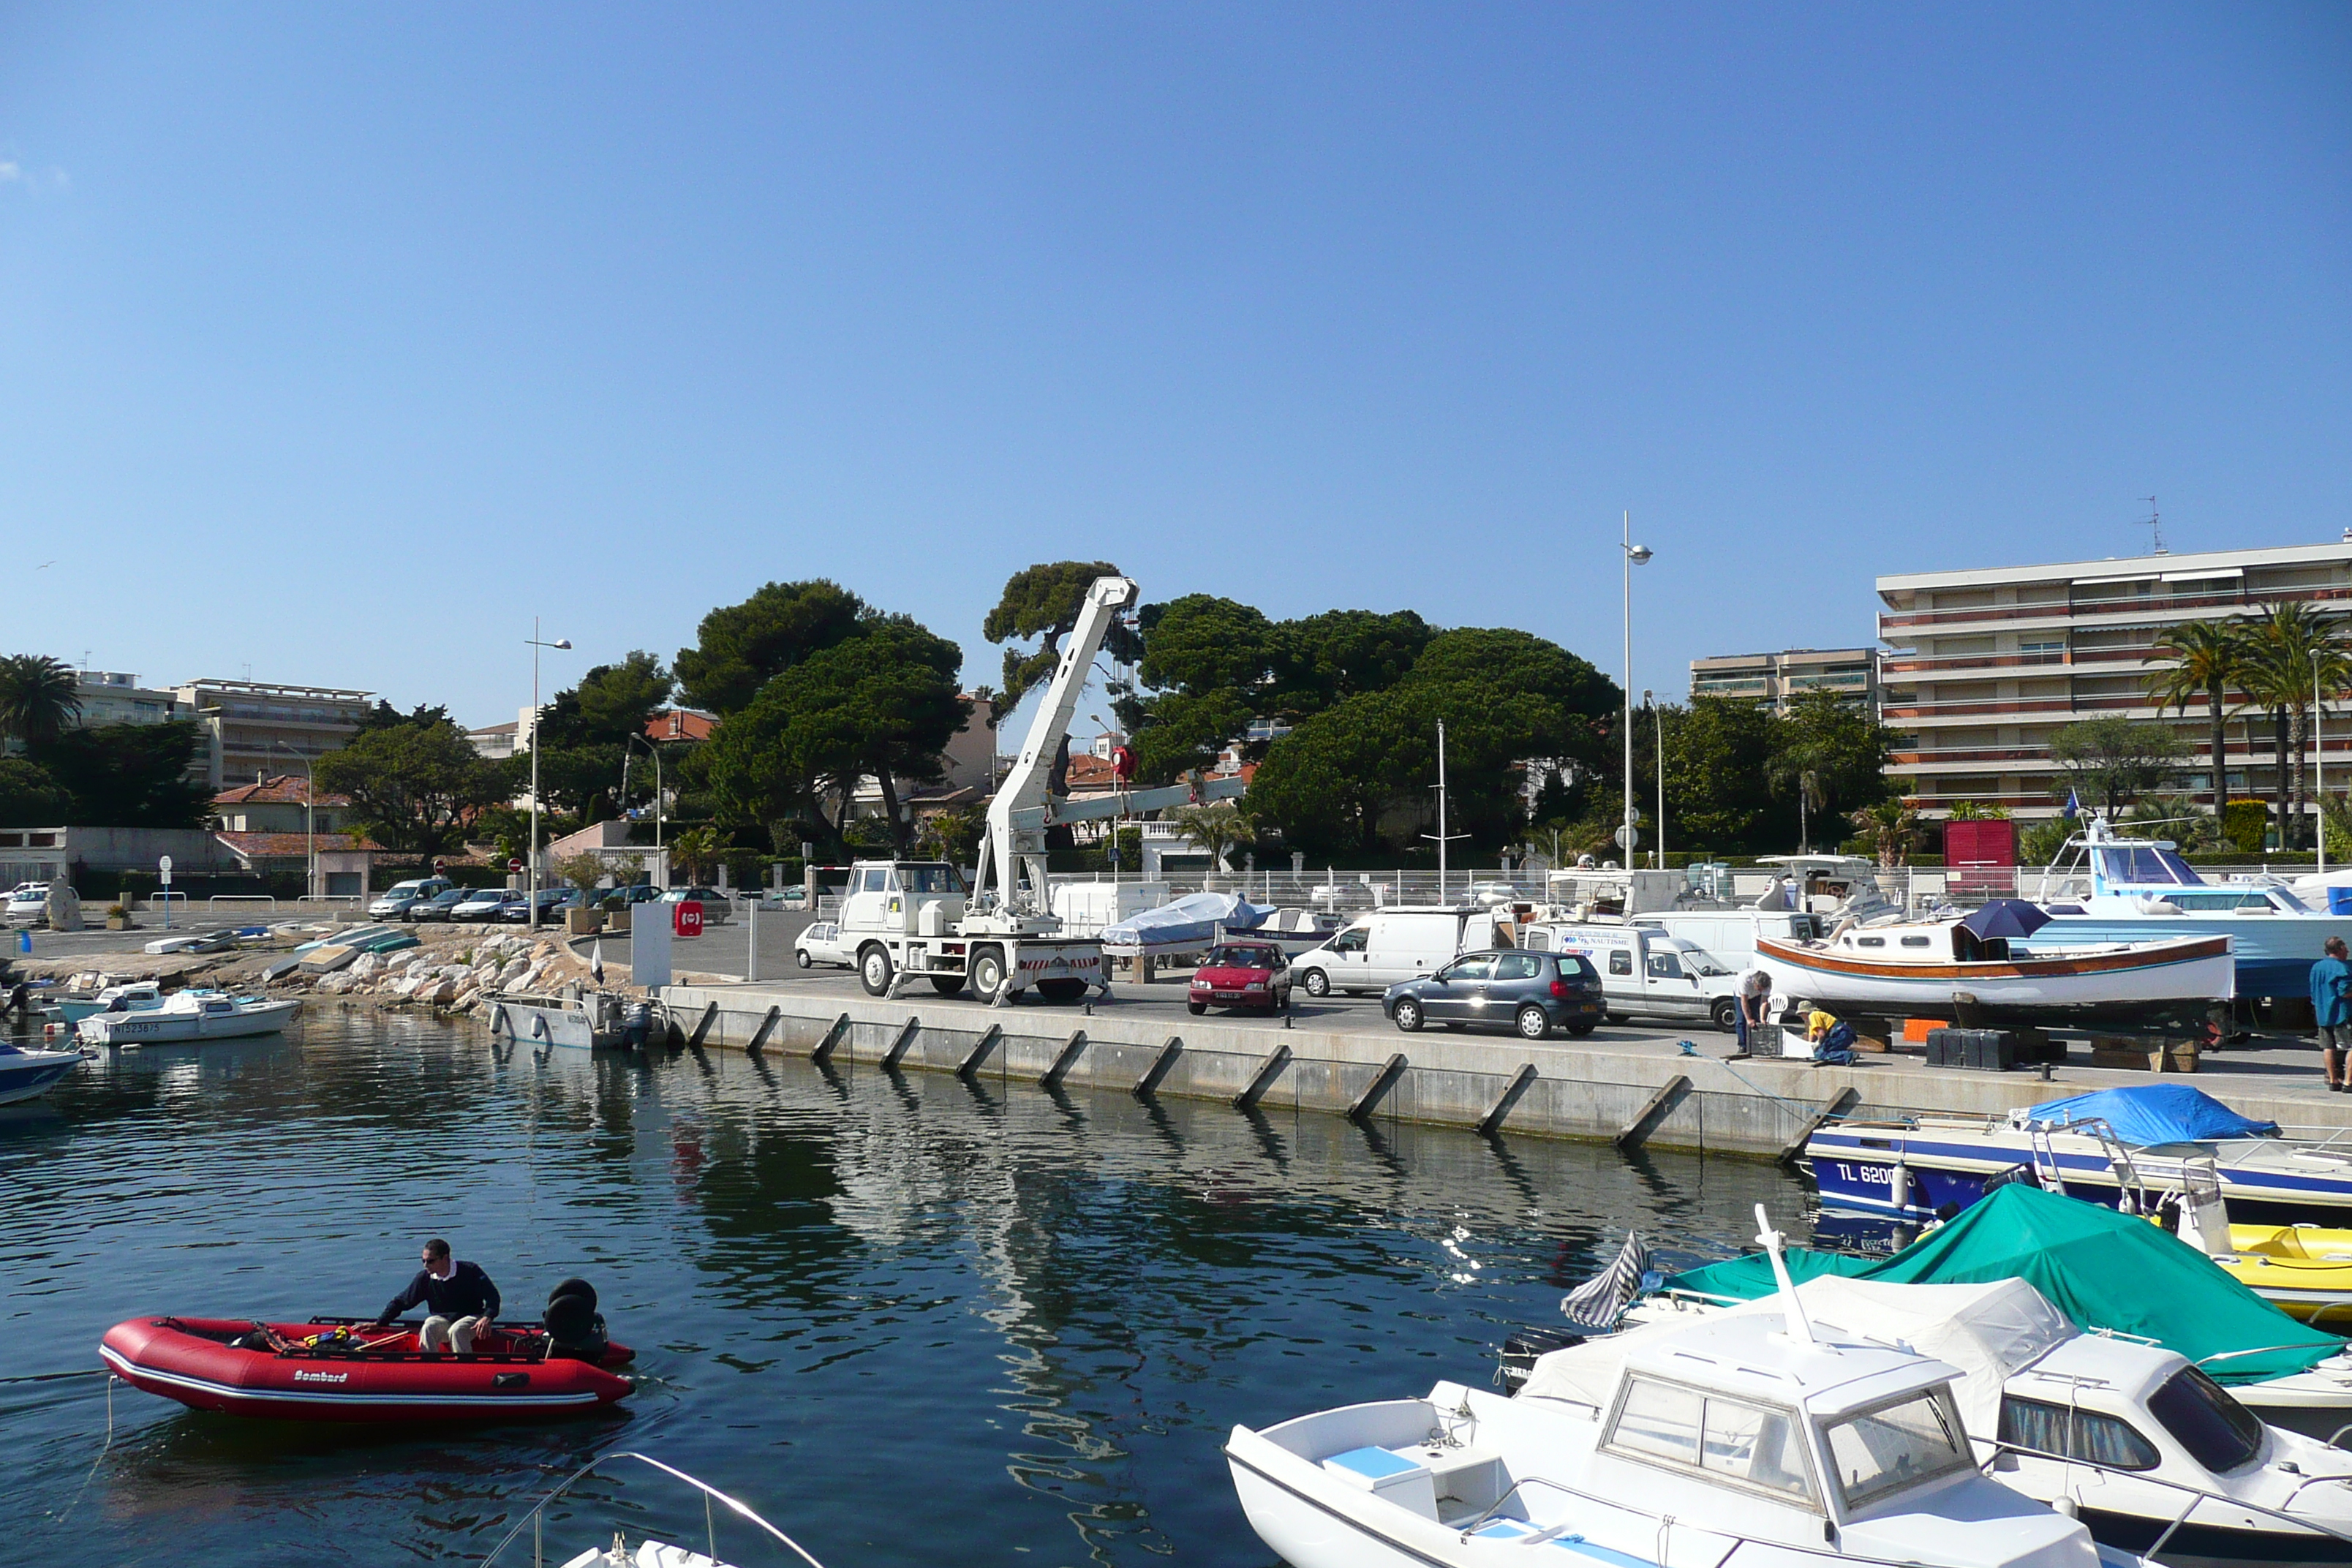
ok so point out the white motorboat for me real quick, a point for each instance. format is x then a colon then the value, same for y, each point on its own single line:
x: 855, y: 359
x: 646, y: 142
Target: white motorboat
x: 27, y: 1074
x: 1747, y: 1438
x: 191, y: 1015
x: 2145, y: 1449
x: 2106, y: 889
x: 127, y: 996
x: 647, y: 1553
x: 1994, y: 967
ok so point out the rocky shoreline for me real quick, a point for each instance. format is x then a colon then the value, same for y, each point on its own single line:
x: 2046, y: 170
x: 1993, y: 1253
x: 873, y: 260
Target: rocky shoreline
x: 452, y: 971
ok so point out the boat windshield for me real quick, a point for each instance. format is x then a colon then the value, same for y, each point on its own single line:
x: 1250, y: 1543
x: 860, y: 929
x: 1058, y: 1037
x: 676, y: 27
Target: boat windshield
x: 2146, y: 863
x: 1898, y: 1445
x: 2219, y: 1432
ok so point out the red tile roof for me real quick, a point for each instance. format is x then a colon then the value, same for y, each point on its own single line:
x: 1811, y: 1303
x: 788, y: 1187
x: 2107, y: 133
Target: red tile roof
x: 283, y: 789
x: 680, y: 724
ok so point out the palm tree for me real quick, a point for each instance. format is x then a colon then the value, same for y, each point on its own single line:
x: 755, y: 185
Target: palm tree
x: 2294, y: 655
x: 39, y: 700
x: 2208, y: 658
x: 1892, y: 825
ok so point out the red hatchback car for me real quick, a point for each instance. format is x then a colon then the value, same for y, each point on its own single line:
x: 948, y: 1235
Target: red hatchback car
x: 1241, y: 975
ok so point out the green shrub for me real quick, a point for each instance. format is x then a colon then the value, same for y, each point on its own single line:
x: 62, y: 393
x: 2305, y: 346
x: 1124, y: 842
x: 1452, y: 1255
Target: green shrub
x: 2245, y: 824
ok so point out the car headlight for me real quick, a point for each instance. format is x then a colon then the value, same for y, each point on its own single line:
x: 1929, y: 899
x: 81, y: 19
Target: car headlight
x: 1255, y: 985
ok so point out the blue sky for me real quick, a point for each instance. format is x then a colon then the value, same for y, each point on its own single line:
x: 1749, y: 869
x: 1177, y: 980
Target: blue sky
x: 337, y: 341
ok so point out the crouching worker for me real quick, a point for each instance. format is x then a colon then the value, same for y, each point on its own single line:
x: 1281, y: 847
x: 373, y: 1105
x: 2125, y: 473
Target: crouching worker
x: 1833, y: 1039
x: 461, y: 1301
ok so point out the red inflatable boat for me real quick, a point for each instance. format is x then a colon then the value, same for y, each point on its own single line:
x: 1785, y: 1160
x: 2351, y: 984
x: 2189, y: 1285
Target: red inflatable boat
x: 344, y: 1369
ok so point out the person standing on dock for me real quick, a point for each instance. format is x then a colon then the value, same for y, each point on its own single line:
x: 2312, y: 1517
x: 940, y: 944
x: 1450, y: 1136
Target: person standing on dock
x: 2331, y: 1007
x: 1754, y: 1002
x: 460, y: 1301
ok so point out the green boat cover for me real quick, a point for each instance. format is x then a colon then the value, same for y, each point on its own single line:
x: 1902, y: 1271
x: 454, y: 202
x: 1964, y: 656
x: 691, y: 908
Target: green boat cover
x: 2102, y: 1269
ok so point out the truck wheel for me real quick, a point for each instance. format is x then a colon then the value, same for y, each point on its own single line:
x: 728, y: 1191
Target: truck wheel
x: 874, y: 970
x: 1064, y: 990
x: 1580, y: 1030
x: 947, y: 984
x: 1533, y: 1025
x: 987, y: 974
x: 1726, y: 1014
x: 1317, y: 983
x: 1615, y: 1017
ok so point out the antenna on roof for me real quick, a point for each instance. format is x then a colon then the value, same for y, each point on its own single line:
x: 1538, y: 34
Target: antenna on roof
x: 2154, y: 524
x: 1800, y: 1327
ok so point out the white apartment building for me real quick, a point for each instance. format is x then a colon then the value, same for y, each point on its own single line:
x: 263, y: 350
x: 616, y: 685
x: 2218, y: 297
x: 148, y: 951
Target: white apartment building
x: 1982, y: 666
x: 1780, y: 678
x: 254, y: 728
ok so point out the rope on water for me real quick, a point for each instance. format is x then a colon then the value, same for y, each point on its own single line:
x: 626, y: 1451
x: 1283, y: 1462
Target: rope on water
x: 102, y: 1448
x: 1797, y: 1105
x: 56, y: 1376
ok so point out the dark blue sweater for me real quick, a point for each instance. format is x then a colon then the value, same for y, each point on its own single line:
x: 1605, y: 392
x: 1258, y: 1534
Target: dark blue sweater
x: 467, y: 1293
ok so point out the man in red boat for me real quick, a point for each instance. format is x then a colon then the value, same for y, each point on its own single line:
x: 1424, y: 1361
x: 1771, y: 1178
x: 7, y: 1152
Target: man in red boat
x: 458, y: 1298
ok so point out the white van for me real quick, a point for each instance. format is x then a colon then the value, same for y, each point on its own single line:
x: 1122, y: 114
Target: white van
x: 1646, y: 974
x: 1730, y: 935
x: 1401, y: 942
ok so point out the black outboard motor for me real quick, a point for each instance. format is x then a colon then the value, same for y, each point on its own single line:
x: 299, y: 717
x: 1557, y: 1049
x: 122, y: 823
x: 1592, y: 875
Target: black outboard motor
x: 574, y: 1327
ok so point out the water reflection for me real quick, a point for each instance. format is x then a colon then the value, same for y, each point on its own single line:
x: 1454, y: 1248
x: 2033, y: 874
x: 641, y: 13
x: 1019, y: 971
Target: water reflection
x: 890, y: 1308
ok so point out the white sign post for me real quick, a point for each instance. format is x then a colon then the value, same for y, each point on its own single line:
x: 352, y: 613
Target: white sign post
x: 163, y: 871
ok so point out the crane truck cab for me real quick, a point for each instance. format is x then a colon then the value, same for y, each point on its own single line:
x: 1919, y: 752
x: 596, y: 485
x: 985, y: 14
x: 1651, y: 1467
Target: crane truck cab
x: 907, y: 920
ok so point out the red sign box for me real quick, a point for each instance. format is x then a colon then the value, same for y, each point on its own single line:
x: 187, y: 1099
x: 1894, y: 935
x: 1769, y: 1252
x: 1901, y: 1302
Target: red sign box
x: 687, y: 919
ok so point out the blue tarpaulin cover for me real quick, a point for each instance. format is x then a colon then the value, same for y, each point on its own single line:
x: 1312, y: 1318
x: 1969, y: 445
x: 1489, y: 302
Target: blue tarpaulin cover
x: 2153, y: 1113
x: 1195, y: 917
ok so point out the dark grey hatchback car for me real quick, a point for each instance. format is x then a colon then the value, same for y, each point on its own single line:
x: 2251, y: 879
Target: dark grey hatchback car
x: 1509, y: 988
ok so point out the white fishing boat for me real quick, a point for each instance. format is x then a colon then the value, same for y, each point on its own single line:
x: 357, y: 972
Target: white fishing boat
x: 1994, y: 967
x: 189, y: 1015
x: 2145, y: 1449
x: 28, y: 1074
x: 128, y: 997
x: 1749, y: 1438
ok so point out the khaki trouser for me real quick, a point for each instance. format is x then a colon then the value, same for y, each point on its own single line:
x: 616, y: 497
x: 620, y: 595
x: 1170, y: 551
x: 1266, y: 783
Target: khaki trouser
x: 439, y: 1333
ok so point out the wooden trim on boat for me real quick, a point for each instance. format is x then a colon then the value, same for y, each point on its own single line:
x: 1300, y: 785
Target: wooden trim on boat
x: 2155, y: 956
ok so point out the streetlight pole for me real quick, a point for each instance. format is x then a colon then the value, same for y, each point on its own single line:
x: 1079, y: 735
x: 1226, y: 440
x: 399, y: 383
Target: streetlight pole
x: 2319, y: 759
x: 1659, y: 714
x: 655, y: 752
x: 1635, y: 555
x: 532, y: 861
x: 310, y: 821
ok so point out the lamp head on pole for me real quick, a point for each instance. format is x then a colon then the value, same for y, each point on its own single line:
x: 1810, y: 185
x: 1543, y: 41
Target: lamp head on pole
x: 1639, y: 554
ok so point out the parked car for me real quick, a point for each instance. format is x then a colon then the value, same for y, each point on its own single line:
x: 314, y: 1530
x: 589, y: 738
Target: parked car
x: 716, y: 907
x: 793, y: 898
x: 487, y: 904
x: 622, y: 897
x: 1252, y: 974
x: 394, y: 901
x: 553, y: 903
x: 1392, y: 944
x: 27, y: 901
x: 438, y: 906
x: 1503, y: 988
x: 821, y: 944
x: 1647, y: 974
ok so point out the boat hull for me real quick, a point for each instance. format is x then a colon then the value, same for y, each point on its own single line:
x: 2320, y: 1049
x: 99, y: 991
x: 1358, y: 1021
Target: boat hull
x: 28, y: 1075
x: 191, y: 1359
x: 2273, y: 951
x: 165, y: 1026
x: 2162, y: 986
x: 1919, y: 1172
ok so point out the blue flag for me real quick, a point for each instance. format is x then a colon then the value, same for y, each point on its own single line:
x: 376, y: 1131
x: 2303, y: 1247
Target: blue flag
x: 2073, y: 806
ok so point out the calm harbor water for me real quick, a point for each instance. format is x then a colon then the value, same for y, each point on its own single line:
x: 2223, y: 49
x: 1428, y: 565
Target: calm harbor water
x: 903, y: 1317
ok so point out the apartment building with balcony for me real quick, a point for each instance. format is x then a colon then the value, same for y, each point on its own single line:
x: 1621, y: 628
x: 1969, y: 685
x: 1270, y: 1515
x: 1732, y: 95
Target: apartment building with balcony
x: 1780, y: 678
x: 1983, y: 667
x: 251, y: 726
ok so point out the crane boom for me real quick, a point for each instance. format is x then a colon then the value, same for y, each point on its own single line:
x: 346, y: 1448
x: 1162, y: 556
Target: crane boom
x: 1016, y: 817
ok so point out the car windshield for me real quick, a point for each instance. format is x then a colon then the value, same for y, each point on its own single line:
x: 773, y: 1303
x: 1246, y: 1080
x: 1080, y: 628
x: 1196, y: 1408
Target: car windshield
x: 1241, y: 958
x: 1895, y: 1447
x: 2219, y: 1433
x: 1698, y: 961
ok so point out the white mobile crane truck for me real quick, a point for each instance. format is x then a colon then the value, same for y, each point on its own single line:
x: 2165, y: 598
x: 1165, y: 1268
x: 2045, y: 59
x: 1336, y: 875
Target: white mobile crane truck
x: 901, y: 920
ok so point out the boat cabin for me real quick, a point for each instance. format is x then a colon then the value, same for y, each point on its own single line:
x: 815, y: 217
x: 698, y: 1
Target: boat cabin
x: 2096, y: 864
x: 1943, y: 942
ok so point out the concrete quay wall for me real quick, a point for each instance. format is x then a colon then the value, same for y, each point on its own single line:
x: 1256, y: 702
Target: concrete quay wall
x: 1641, y: 1092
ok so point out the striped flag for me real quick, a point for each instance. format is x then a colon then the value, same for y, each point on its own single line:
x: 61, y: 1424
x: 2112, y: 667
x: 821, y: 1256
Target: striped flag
x: 1599, y: 1300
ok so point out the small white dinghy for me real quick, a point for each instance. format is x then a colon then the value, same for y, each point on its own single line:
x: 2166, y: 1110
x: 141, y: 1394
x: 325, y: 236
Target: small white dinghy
x: 647, y: 1553
x: 189, y: 1015
x: 1738, y: 1439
